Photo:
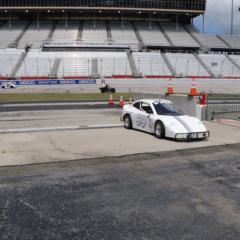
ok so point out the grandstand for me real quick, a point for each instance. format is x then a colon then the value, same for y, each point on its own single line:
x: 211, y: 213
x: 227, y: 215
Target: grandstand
x: 92, y: 39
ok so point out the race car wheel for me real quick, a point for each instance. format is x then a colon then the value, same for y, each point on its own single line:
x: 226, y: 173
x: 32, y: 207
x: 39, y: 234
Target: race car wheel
x: 113, y: 90
x: 127, y: 122
x: 159, y: 130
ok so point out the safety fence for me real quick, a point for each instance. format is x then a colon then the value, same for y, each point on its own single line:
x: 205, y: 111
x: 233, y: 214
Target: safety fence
x: 223, y: 106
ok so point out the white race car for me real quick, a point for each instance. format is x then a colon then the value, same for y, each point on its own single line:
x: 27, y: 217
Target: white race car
x: 8, y: 85
x: 160, y: 118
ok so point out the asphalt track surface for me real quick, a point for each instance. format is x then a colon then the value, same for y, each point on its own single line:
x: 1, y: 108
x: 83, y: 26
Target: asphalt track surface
x: 37, y: 106
x: 184, y: 194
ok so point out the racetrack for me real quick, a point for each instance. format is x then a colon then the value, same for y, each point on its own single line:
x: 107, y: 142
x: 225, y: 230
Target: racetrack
x: 186, y: 194
x: 180, y: 85
x: 49, y: 136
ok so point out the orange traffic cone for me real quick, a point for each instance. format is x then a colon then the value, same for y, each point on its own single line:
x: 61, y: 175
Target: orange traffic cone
x: 193, y: 90
x: 130, y: 100
x: 121, y: 102
x: 110, y: 100
x: 170, y: 87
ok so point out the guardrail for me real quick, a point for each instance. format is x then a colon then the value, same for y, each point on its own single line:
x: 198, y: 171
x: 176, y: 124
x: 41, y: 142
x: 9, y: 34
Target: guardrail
x: 223, y: 106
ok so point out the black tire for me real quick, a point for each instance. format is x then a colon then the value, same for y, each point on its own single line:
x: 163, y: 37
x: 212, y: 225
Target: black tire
x: 113, y: 90
x: 127, y: 121
x: 159, y: 130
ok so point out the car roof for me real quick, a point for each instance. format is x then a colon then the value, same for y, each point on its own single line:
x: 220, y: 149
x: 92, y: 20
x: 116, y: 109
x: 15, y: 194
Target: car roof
x: 154, y: 100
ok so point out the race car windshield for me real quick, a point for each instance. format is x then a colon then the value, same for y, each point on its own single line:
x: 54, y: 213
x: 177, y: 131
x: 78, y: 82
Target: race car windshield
x: 164, y: 108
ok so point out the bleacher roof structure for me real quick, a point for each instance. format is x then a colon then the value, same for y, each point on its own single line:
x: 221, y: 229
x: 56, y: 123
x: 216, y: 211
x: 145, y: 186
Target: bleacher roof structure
x: 187, y: 6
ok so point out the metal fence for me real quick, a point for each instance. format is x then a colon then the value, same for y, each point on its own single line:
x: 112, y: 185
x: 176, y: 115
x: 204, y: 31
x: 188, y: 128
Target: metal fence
x: 223, y: 106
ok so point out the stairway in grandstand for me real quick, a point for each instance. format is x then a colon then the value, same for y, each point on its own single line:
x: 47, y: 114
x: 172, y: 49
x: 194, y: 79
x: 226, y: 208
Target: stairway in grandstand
x: 108, y: 29
x: 52, y: 30
x: 80, y: 30
x: 135, y: 73
x: 18, y: 38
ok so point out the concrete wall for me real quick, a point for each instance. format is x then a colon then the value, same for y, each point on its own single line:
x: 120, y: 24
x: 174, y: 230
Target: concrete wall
x: 183, y: 103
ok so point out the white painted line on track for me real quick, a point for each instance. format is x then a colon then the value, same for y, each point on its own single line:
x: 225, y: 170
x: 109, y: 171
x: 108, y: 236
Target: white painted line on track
x: 51, y: 104
x: 63, y: 128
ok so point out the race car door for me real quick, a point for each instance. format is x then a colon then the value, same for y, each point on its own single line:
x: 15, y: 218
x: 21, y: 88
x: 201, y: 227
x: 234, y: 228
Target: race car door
x: 143, y: 117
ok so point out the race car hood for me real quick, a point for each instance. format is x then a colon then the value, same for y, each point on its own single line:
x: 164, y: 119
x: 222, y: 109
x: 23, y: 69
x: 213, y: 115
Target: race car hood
x: 183, y: 124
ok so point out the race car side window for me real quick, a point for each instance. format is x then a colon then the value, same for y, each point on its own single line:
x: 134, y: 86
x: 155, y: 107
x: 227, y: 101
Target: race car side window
x: 137, y: 105
x: 146, y: 108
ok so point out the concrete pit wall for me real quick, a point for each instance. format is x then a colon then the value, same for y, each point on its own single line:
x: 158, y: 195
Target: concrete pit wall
x: 183, y: 103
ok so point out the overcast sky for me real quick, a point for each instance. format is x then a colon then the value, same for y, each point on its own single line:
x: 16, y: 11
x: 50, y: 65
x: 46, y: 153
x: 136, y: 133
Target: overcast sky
x: 218, y: 17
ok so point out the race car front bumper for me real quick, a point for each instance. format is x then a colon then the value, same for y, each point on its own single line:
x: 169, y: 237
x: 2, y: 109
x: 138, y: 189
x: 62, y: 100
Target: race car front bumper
x: 192, y: 136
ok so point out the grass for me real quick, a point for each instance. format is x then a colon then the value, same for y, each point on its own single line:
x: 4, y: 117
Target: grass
x: 15, y: 97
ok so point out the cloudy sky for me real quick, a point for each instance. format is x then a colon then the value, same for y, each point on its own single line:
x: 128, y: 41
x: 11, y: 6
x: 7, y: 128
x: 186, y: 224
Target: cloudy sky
x: 218, y: 17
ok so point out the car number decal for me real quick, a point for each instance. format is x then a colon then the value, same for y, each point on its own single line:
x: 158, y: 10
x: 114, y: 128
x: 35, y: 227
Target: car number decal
x: 141, y: 121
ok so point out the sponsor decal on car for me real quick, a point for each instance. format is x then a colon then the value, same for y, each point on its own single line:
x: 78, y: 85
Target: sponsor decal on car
x: 141, y: 121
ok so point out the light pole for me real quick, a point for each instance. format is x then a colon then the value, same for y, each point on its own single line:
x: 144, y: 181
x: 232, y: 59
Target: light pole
x: 187, y: 67
x: 232, y: 19
x: 150, y: 21
x: 176, y: 65
x: 222, y: 68
x: 203, y: 23
x: 177, y: 23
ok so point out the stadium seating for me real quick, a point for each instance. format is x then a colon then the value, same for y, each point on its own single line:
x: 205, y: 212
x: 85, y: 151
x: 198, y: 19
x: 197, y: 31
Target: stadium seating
x: 10, y: 31
x: 94, y: 32
x: 178, y: 35
x: 81, y: 64
x: 207, y: 40
x: 37, y: 64
x: 123, y: 33
x: 151, y: 36
x: 8, y: 60
x: 35, y: 34
x: 75, y: 64
x: 66, y: 31
x: 232, y: 40
x: 219, y: 65
x: 186, y: 65
x: 16, y: 35
x: 151, y: 64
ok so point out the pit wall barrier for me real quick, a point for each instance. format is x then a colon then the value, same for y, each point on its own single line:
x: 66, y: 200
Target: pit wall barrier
x: 183, y: 103
x: 52, y: 82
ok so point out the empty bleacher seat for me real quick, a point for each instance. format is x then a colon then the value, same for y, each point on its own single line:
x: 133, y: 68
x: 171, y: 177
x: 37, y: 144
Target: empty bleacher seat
x: 178, y: 35
x: 151, y: 34
x: 66, y: 31
x: 10, y: 31
x: 151, y: 64
x: 35, y: 34
x: 186, y: 65
x: 94, y: 32
x: 37, y: 64
x: 123, y: 33
x: 219, y: 65
x: 232, y: 40
x: 207, y: 40
x: 8, y: 60
x: 74, y: 64
x: 80, y: 64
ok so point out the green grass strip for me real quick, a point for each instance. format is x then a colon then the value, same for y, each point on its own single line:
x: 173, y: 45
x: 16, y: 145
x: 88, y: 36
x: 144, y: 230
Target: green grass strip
x: 15, y: 97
